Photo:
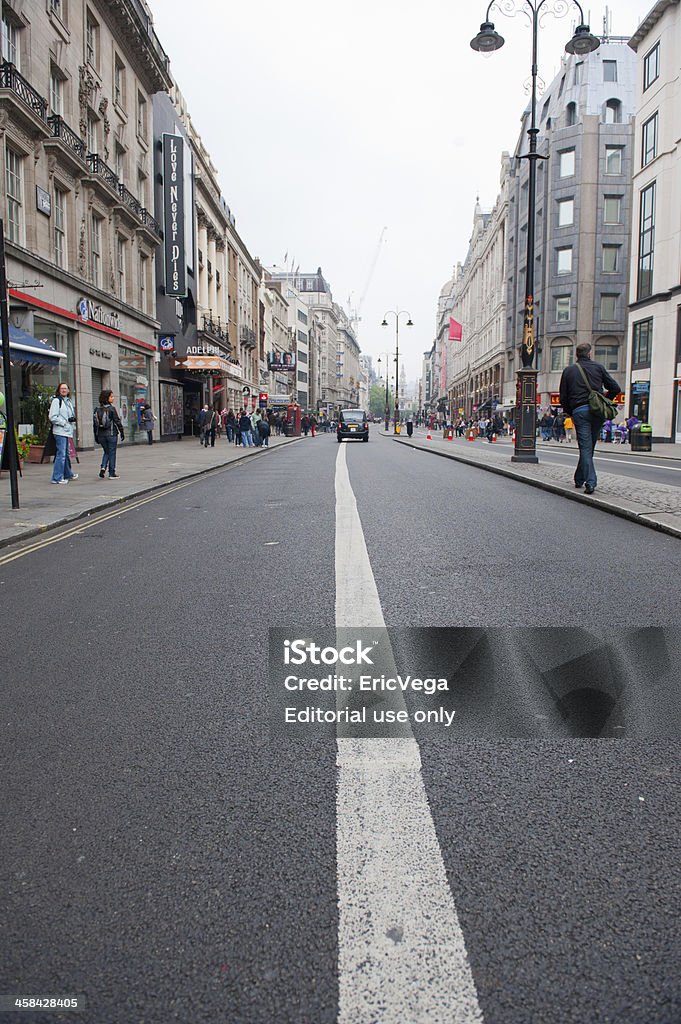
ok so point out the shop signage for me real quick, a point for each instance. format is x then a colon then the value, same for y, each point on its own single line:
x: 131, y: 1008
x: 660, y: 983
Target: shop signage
x: 555, y: 398
x: 640, y: 387
x: 43, y: 201
x: 262, y: 400
x: 87, y: 311
x: 277, y: 360
x: 245, y: 390
x: 173, y: 215
x: 204, y: 350
x: 166, y: 343
x: 619, y: 399
x: 100, y: 353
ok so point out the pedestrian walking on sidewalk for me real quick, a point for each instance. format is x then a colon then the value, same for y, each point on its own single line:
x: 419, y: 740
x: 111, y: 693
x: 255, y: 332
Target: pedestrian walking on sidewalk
x: 148, y: 420
x: 264, y: 432
x: 245, y: 429
x: 576, y: 385
x: 62, y: 416
x: 569, y: 427
x: 108, y: 428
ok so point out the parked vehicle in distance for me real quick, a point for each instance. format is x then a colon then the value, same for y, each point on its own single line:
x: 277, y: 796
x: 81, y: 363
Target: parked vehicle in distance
x: 352, y: 423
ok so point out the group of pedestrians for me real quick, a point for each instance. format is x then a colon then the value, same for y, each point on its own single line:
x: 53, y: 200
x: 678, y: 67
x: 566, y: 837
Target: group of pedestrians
x: 107, y: 429
x: 249, y: 430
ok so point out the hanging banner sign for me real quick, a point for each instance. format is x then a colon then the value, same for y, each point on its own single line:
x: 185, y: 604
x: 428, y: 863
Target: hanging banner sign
x: 173, y: 215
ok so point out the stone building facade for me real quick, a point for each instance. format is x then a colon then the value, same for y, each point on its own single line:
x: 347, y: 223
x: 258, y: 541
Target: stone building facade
x: 77, y: 168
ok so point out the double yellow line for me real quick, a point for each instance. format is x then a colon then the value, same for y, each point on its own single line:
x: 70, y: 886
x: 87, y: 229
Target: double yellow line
x: 82, y: 525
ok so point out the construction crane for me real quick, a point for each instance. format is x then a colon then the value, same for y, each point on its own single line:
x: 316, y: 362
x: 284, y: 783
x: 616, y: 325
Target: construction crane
x: 355, y: 314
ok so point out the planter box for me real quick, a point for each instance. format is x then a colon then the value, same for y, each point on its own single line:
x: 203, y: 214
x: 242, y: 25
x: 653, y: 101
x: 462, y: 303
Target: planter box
x: 35, y: 453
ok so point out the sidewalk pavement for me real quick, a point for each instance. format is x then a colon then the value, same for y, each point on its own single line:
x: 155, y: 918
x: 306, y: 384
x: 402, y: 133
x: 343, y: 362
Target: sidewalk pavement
x: 142, y: 468
x: 650, y: 504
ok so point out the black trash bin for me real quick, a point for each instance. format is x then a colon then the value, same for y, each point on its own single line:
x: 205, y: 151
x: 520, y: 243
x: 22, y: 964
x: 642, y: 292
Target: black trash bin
x: 642, y: 438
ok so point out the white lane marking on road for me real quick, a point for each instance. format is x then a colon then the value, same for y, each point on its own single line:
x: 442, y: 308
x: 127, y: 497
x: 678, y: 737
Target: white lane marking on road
x: 402, y: 955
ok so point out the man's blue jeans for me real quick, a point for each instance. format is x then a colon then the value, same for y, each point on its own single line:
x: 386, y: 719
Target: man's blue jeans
x: 61, y: 470
x: 588, y: 428
x: 246, y: 439
x: 109, y: 443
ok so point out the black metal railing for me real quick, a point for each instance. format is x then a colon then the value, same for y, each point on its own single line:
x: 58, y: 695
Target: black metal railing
x: 154, y: 41
x: 247, y: 336
x: 151, y: 222
x: 11, y: 79
x: 103, y: 171
x: 215, y: 328
x: 60, y: 130
x: 131, y: 201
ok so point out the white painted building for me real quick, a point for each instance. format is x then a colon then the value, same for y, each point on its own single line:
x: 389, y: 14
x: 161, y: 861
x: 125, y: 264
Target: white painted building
x: 654, y: 322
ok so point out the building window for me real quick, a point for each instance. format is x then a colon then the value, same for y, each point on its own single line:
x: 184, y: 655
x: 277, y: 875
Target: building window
x: 609, y: 70
x: 562, y: 309
x: 646, y: 243
x: 302, y: 316
x: 567, y: 163
x: 642, y: 344
x: 564, y: 264
x: 578, y: 72
x: 144, y: 261
x: 610, y: 259
x: 608, y: 355
x: 649, y: 140
x: 96, y: 251
x: 119, y: 83
x: 608, y: 308
x: 612, y: 208
x: 561, y: 356
x: 613, y: 159
x: 120, y: 266
x: 58, y: 7
x: 56, y: 91
x: 91, y: 41
x: 10, y: 41
x: 571, y: 114
x: 59, y: 227
x: 566, y: 212
x: 613, y: 112
x: 92, y: 134
x: 141, y: 116
x: 651, y: 66
x: 302, y: 377
x: 302, y: 355
x: 141, y: 194
x: 119, y: 161
x: 14, y: 175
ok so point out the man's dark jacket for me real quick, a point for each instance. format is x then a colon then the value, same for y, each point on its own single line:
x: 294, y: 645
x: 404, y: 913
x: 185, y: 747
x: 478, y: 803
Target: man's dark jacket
x: 573, y: 390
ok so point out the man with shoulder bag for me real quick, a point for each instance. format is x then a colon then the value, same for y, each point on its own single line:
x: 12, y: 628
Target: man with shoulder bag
x: 582, y: 399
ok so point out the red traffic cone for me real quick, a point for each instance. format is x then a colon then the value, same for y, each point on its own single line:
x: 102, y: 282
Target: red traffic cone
x: 449, y: 435
x: 428, y: 437
x: 494, y: 437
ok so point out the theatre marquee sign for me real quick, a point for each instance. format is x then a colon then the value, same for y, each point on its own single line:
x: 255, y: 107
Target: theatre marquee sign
x: 173, y: 216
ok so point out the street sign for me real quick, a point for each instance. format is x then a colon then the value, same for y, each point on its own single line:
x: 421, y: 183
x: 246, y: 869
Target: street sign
x: 166, y: 342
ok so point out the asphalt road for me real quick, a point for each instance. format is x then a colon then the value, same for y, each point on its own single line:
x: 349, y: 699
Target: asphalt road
x: 169, y: 859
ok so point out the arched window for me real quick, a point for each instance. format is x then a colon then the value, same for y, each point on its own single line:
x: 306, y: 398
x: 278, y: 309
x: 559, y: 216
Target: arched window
x: 613, y: 112
x: 571, y: 114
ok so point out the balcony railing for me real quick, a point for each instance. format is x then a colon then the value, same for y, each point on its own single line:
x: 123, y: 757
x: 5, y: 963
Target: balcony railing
x: 247, y: 337
x: 11, y: 79
x: 60, y: 130
x: 151, y: 222
x: 131, y: 201
x: 214, y: 327
x: 103, y: 171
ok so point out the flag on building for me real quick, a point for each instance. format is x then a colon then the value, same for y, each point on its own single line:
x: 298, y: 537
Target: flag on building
x: 455, y: 330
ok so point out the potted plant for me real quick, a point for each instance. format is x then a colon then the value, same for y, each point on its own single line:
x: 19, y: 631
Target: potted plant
x: 35, y: 410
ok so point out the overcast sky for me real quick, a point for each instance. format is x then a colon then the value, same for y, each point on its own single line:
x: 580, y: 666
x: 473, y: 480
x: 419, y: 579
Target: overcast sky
x: 328, y: 122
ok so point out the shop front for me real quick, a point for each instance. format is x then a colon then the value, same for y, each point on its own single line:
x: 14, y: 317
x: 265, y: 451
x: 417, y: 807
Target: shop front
x: 93, y: 354
x: 37, y: 368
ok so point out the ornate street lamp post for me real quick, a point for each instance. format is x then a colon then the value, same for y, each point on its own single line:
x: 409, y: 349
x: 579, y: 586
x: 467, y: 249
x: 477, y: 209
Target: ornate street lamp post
x: 386, y: 411
x: 486, y: 41
x: 397, y: 313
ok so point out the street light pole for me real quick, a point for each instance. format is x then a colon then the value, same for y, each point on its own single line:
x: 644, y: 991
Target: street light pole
x: 386, y: 411
x: 486, y: 41
x: 10, y: 440
x: 397, y: 313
